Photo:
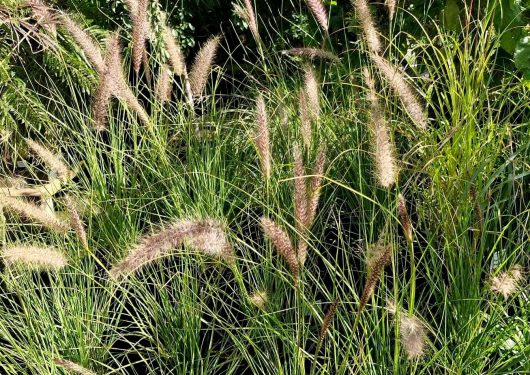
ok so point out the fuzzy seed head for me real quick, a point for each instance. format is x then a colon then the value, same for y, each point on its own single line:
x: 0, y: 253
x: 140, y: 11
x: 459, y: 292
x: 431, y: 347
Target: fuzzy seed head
x: 34, y: 257
x: 261, y: 137
x: 300, y: 203
x: 311, y: 88
x: 367, y: 25
x: 507, y: 283
x: 251, y: 19
x: 140, y: 24
x: 391, y: 6
x: 72, y: 367
x: 163, y: 86
x: 305, y: 119
x: 202, y: 65
x: 405, y: 92
x: 328, y: 319
x: 282, y: 244
x: 413, y: 336
x: 316, y: 184
x: 75, y: 221
x: 120, y: 85
x: 176, y: 57
x: 384, y: 147
x: 378, y: 257
x: 206, y: 236
x: 53, y: 162
x: 319, y: 12
x: 34, y: 213
x: 404, y: 218
x: 85, y: 42
x: 259, y: 299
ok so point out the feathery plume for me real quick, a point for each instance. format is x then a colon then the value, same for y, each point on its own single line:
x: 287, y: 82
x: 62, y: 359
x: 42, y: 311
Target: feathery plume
x: 85, y: 42
x: 312, y: 53
x: 282, y: 244
x: 259, y: 299
x: 312, y: 91
x: 203, y: 64
x: 40, y: 258
x: 35, y: 213
x: 120, y: 86
x: 251, y: 19
x: 378, y: 257
x: 367, y: 25
x: 72, y: 367
x: 75, y: 221
x: 101, y: 101
x: 55, y: 164
x: 300, y: 203
x: 413, y: 336
x: 209, y: 237
x: 401, y: 87
x: 506, y: 283
x: 305, y: 119
x: 316, y: 184
x: 319, y: 12
x: 43, y: 15
x: 164, y: 83
x: 328, y: 319
x: 176, y: 58
x: 391, y: 6
x: 404, y: 218
x: 106, y: 86
x: 384, y: 148
x: 206, y: 236
x: 261, y: 138
x: 140, y: 28
x: 411, y: 331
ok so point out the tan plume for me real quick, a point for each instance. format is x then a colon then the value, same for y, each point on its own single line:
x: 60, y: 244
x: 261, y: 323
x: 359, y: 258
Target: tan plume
x: 53, y: 162
x: 120, y: 85
x: 207, y: 236
x: 383, y: 146
x: 36, y: 257
x: 85, y: 42
x: 506, y: 283
x: 261, y: 137
x: 404, y: 218
x: 305, y: 119
x: 412, y: 332
x: 164, y: 84
x: 367, y: 25
x: 326, y: 323
x: 300, y: 203
x: 140, y: 29
x: 34, y: 213
x: 378, y: 257
x: 259, y: 299
x: 251, y: 19
x: 75, y: 221
x: 404, y: 91
x: 319, y: 12
x: 202, y: 65
x: 391, y: 6
x: 311, y: 88
x: 72, y: 367
x: 282, y: 244
x: 176, y: 57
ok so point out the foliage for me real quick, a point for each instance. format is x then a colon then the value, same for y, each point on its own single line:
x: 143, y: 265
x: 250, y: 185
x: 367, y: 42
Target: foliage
x: 465, y: 181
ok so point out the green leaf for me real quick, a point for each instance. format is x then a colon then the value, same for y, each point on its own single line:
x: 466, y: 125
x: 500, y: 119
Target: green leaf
x: 521, y: 55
